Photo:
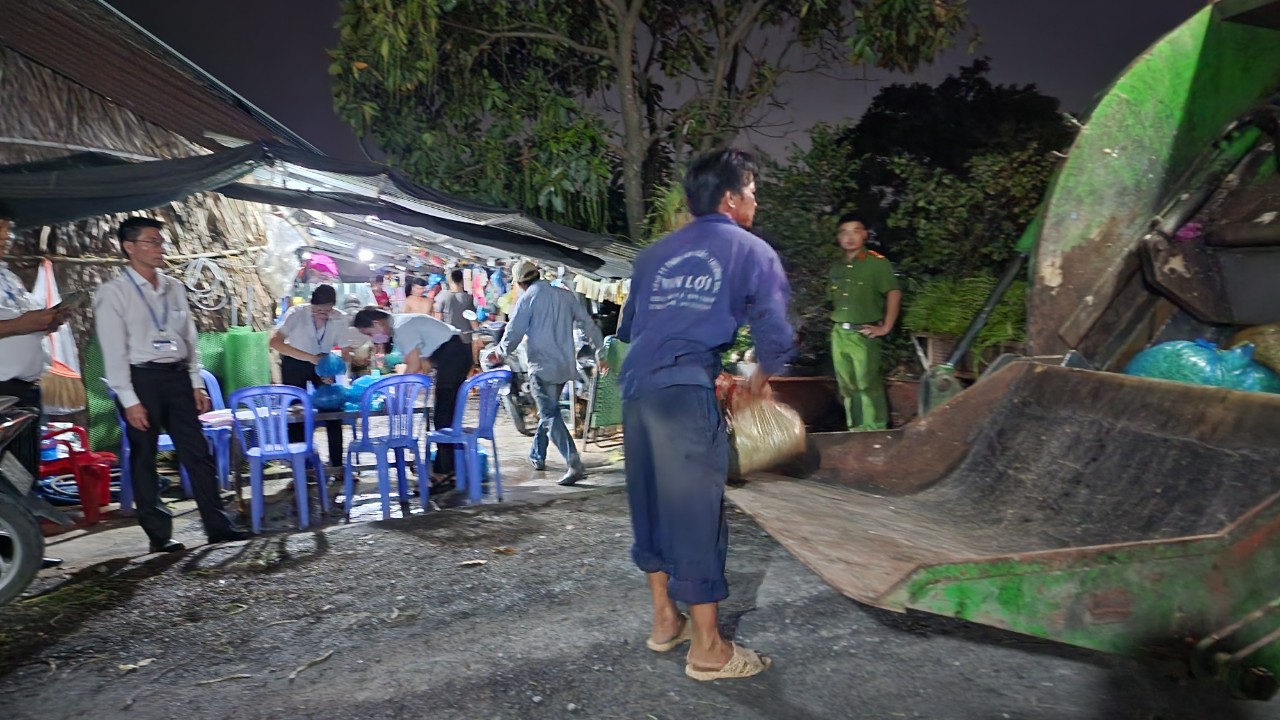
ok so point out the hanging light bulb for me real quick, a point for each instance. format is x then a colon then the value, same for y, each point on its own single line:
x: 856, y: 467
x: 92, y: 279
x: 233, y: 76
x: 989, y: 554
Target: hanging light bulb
x: 365, y: 254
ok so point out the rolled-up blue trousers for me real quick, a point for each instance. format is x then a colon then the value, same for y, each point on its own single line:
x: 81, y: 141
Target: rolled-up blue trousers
x: 677, y: 459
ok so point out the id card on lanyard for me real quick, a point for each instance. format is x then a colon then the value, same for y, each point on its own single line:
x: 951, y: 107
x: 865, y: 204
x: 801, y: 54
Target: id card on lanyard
x: 163, y: 342
x: 319, y: 335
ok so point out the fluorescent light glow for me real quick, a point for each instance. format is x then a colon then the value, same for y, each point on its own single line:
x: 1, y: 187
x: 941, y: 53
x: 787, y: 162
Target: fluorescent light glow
x: 365, y: 254
x: 333, y: 242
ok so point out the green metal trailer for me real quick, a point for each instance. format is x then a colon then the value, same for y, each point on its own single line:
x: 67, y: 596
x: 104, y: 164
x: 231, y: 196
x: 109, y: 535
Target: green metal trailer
x: 1079, y: 505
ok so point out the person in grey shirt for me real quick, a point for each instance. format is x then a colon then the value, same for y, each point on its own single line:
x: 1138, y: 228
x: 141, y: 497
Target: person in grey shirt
x: 546, y: 315
x: 451, y: 307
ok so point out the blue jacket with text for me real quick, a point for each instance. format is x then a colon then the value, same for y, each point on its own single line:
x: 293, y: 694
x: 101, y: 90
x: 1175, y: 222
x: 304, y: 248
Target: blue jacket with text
x: 690, y: 292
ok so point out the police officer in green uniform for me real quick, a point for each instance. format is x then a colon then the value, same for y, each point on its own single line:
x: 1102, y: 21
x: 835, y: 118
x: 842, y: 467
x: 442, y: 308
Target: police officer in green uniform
x: 865, y: 301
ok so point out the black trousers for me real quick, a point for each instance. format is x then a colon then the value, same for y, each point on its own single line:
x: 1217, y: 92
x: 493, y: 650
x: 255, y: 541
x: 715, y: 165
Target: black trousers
x: 169, y: 399
x: 452, y: 362
x: 25, y: 447
x: 298, y: 373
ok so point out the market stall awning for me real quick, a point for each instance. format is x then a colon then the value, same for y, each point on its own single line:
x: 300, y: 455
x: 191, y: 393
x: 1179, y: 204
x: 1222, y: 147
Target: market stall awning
x: 88, y: 184
x: 348, y: 204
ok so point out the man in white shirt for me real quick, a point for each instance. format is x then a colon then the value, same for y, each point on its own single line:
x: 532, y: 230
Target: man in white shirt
x: 306, y: 334
x: 427, y: 344
x: 148, y: 339
x: 24, y: 323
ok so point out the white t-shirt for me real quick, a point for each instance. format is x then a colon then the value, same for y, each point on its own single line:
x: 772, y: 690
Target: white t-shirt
x: 299, y: 330
x: 419, y: 332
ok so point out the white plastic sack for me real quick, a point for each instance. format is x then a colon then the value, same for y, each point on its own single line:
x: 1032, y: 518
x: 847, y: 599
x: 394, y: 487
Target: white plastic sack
x: 61, y: 345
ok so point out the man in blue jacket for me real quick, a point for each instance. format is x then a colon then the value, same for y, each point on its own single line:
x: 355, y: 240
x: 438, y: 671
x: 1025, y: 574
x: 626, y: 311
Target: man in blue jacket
x: 690, y: 293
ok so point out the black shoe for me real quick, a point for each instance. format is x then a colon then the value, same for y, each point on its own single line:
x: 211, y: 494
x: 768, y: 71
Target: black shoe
x: 228, y: 536
x: 168, y: 546
x: 573, y: 476
x: 50, y: 563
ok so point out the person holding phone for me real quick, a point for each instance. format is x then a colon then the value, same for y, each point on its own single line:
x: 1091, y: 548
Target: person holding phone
x: 148, y: 339
x: 24, y: 323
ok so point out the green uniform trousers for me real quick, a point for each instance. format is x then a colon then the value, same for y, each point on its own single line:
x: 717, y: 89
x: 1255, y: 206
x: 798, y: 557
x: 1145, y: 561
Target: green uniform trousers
x: 857, y: 362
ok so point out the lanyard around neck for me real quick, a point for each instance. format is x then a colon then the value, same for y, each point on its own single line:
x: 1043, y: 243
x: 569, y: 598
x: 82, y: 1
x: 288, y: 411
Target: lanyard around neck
x: 160, y: 322
x: 319, y: 335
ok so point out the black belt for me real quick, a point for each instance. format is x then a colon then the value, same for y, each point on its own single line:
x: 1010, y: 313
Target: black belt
x: 171, y: 367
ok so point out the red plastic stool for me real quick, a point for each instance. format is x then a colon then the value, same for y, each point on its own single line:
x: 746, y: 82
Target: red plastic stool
x: 91, y: 470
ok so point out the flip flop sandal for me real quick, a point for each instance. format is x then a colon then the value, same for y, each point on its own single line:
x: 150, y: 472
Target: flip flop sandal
x: 743, y: 664
x: 685, y: 634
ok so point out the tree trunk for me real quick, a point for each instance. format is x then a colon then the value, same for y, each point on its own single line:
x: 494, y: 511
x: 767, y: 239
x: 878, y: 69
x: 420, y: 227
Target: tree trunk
x: 634, y: 143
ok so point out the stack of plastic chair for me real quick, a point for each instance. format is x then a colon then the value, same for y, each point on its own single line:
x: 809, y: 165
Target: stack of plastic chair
x: 488, y: 386
x: 401, y: 393
x: 163, y: 444
x: 219, y: 437
x: 268, y: 408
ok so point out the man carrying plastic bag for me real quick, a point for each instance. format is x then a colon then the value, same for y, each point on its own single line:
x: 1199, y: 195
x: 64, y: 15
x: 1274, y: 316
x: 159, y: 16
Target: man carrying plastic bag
x: 691, y: 292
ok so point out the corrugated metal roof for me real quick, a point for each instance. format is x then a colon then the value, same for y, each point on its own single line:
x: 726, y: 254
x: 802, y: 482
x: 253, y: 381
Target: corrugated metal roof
x: 92, y: 45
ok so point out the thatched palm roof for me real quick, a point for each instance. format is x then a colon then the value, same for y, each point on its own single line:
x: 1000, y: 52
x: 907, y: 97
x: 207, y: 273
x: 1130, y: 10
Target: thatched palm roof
x: 94, y: 45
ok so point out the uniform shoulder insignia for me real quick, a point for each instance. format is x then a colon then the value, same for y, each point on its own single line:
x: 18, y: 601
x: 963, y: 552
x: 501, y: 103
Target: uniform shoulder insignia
x: 875, y: 254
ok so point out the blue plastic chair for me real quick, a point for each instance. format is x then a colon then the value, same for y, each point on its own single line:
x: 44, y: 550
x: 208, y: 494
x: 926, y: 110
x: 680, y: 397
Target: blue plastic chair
x: 488, y: 385
x: 268, y: 407
x: 219, y: 437
x: 401, y: 393
x: 164, y: 443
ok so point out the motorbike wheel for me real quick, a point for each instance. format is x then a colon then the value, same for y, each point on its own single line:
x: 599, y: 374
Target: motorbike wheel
x: 518, y: 417
x: 21, y: 547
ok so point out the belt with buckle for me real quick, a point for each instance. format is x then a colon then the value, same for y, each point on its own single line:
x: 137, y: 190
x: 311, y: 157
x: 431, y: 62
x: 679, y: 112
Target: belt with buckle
x: 172, y: 367
x: 851, y: 326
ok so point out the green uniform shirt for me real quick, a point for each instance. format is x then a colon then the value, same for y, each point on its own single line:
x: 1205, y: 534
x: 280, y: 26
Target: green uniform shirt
x: 857, y: 288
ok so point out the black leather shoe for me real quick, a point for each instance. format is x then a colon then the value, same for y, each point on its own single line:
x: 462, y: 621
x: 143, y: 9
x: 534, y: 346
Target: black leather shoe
x: 168, y: 546
x: 50, y: 563
x: 228, y: 536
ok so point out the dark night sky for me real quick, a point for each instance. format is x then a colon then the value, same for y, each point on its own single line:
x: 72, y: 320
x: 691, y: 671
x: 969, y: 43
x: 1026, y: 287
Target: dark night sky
x: 272, y: 52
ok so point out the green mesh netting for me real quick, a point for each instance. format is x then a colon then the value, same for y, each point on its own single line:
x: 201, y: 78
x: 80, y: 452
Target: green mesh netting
x: 212, y: 349
x: 246, y: 360
x: 607, y: 409
x: 104, y: 430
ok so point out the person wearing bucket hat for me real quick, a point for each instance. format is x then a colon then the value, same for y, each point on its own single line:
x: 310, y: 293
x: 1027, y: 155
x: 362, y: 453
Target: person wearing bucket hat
x: 547, y: 315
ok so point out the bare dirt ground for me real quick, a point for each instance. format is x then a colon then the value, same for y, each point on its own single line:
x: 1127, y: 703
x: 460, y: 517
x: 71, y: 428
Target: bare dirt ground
x: 526, y: 610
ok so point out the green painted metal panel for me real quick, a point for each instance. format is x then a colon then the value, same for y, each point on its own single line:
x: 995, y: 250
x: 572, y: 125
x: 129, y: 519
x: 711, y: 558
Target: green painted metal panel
x: 1133, y: 155
x: 607, y: 408
x: 1124, y: 598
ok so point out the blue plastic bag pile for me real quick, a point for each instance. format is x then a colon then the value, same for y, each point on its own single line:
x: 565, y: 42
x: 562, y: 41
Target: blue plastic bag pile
x: 1203, y: 363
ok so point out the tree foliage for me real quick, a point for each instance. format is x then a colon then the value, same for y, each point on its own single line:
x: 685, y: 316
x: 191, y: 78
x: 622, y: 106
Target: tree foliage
x: 506, y: 99
x: 948, y: 177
